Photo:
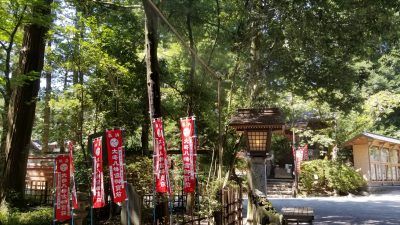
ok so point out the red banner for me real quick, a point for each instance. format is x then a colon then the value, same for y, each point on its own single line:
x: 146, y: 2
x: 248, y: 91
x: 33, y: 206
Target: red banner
x: 301, y: 154
x: 71, y: 157
x: 98, y: 199
x: 188, y: 154
x: 160, y: 160
x: 62, y: 176
x: 116, y: 164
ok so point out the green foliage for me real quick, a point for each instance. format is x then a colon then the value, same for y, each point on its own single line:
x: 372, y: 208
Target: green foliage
x: 83, y: 171
x: 38, y: 216
x: 282, y: 150
x: 319, y: 176
x: 67, y: 108
x: 211, y: 202
x: 140, y: 173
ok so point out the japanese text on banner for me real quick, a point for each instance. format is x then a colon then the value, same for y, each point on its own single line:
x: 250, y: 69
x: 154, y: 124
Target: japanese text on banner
x: 188, y: 154
x: 62, y: 204
x: 160, y: 160
x: 301, y: 154
x: 116, y: 164
x: 72, y: 170
x: 98, y: 199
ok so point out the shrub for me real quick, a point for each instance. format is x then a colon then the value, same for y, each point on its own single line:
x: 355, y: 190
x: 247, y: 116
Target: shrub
x: 326, y: 176
x: 38, y: 216
x: 140, y: 174
x: 211, y: 201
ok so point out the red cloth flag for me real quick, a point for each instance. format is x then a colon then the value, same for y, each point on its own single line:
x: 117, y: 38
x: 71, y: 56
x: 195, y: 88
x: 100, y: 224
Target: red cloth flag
x: 62, y: 177
x: 98, y: 199
x: 305, y: 153
x: 71, y: 157
x: 116, y: 164
x: 160, y: 160
x: 301, y: 154
x: 188, y: 154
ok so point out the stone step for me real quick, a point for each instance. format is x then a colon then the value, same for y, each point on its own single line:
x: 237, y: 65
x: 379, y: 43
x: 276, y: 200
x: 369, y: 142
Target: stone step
x: 286, y: 192
x: 279, y: 196
x: 279, y: 188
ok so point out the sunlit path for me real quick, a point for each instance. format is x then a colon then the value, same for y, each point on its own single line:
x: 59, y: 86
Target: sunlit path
x: 374, y: 209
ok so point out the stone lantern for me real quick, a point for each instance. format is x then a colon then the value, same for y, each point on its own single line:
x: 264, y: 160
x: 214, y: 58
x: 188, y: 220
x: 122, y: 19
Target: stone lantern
x: 257, y: 126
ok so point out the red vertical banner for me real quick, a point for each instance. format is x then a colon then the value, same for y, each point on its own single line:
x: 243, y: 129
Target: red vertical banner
x: 73, y: 191
x: 305, y: 153
x: 188, y: 154
x: 116, y: 164
x: 62, y: 177
x: 301, y: 154
x: 160, y: 160
x: 98, y: 199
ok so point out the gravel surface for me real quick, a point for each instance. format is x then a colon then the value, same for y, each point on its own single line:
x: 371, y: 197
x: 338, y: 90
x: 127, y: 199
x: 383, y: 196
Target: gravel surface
x: 382, y: 208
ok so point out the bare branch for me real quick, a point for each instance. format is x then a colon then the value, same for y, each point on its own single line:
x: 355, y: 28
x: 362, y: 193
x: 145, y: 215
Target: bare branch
x: 19, y: 22
x: 3, y: 45
x: 176, y: 89
x: 3, y: 29
x: 217, y: 34
x: 2, y: 92
x: 115, y: 5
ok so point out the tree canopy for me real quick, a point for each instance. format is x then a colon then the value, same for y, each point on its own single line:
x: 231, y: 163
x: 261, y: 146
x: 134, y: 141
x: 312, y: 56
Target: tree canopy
x: 337, y: 60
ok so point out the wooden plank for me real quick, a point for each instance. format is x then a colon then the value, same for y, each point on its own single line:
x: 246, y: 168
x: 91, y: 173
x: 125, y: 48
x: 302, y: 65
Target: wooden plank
x: 298, y: 214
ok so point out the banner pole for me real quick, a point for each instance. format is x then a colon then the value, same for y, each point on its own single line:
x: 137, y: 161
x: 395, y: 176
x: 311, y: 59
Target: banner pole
x: 54, y: 191
x: 166, y: 167
x: 154, y: 174
x: 91, y: 195
x: 126, y: 186
x: 127, y: 205
x: 197, y: 194
x: 91, y: 215
x: 72, y: 213
x: 72, y: 188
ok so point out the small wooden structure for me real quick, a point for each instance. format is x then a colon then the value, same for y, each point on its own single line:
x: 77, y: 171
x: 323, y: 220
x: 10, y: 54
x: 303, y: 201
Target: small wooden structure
x: 257, y: 125
x: 377, y: 157
x: 39, y: 179
x: 232, y: 206
x: 297, y: 214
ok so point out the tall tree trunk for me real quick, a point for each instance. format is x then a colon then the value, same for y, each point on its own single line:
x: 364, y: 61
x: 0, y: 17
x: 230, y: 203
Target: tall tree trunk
x: 145, y: 126
x: 75, y: 49
x: 255, y: 69
x: 192, y: 57
x: 46, y: 112
x: 190, y: 196
x: 65, y: 82
x: 23, y: 103
x: 153, y: 70
x: 6, y: 94
x: 153, y: 78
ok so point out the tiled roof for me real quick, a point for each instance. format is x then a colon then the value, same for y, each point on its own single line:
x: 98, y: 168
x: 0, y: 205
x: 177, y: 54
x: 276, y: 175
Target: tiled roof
x: 382, y: 138
x: 373, y: 136
x: 257, y: 118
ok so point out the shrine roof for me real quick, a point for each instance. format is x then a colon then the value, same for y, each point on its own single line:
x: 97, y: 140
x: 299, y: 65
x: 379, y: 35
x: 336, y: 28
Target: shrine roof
x: 267, y: 118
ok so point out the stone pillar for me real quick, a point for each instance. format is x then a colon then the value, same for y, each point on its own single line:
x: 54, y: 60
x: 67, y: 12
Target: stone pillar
x: 81, y: 213
x: 135, y: 208
x: 258, y: 174
x: 256, y: 177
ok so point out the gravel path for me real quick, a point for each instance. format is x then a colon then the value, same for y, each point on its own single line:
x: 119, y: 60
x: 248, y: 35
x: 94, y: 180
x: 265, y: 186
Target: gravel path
x: 382, y: 209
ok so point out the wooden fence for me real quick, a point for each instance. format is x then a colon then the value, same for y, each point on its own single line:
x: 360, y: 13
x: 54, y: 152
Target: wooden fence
x: 231, y: 199
x: 232, y: 206
x: 39, y: 179
x: 39, y: 192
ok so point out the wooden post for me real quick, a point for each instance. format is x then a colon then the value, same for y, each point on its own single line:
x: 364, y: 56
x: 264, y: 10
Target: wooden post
x: 220, y: 149
x: 153, y: 74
